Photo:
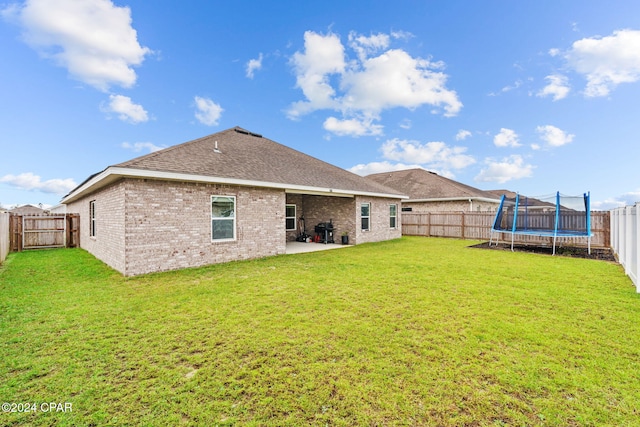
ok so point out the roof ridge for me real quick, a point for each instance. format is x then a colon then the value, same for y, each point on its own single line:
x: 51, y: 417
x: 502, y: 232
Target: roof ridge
x: 462, y: 186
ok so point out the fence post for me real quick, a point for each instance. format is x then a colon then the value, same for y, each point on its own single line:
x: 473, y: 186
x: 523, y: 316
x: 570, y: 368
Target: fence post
x: 462, y: 225
x: 628, y: 241
x: 606, y: 229
x: 636, y: 242
x: 5, y: 235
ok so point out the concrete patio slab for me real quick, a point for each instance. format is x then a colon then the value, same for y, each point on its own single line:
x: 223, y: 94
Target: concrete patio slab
x: 301, y: 247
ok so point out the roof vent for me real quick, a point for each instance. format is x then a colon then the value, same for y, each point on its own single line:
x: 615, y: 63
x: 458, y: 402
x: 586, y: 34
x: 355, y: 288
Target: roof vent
x: 246, y: 132
x: 215, y: 148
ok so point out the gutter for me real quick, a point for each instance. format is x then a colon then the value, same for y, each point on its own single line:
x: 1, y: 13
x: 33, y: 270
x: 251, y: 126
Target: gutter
x: 113, y: 174
x: 454, y: 199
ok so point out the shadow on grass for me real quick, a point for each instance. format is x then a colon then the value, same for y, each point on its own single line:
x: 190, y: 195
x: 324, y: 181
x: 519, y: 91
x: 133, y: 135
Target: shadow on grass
x: 602, y: 254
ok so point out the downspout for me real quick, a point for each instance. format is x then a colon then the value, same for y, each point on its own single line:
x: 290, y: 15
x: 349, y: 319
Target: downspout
x: 470, y: 205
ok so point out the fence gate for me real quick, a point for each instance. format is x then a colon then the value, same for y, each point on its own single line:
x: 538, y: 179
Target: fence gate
x: 45, y: 231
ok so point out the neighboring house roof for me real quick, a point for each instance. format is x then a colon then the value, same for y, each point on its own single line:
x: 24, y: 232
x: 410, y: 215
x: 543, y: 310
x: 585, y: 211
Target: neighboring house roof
x: 532, y: 202
x: 237, y: 156
x: 424, y: 186
x: 27, y: 210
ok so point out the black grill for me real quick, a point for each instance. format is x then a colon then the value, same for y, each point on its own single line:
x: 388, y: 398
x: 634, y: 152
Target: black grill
x: 324, y: 230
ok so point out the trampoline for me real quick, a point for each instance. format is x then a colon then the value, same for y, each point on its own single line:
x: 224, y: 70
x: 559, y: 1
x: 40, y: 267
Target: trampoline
x: 557, y: 216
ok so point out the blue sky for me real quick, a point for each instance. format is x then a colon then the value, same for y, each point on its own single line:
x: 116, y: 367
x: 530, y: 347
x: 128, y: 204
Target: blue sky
x: 530, y: 96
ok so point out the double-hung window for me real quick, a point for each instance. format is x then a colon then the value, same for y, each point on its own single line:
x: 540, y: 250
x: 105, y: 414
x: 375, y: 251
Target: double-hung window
x: 223, y: 218
x: 92, y: 218
x: 290, y: 217
x: 365, y: 216
x: 393, y: 216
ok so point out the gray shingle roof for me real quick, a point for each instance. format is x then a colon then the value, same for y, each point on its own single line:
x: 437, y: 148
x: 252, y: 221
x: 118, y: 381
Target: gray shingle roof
x: 531, y: 201
x: 421, y: 184
x: 247, y: 156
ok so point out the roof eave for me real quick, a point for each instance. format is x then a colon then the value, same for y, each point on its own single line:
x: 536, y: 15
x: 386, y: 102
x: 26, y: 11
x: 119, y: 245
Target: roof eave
x: 453, y: 199
x: 113, y: 173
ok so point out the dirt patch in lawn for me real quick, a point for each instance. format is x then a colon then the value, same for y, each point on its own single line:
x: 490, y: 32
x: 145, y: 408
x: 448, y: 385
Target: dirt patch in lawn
x: 603, y: 254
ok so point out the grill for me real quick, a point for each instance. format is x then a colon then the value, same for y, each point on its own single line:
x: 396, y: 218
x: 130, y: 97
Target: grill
x: 324, y: 232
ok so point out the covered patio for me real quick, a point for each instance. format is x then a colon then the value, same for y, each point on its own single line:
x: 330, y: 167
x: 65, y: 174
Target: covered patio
x: 302, y: 247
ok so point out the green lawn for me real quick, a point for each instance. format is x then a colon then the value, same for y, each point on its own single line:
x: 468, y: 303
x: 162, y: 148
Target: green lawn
x: 417, y: 331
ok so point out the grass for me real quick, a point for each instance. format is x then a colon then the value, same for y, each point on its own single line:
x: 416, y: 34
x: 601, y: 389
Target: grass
x: 415, y: 331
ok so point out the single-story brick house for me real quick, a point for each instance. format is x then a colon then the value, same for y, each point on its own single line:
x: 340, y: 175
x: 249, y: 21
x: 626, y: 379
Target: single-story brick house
x: 430, y: 192
x: 228, y: 196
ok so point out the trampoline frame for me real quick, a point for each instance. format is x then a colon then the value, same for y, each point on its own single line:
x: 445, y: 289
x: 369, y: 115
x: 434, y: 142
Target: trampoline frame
x: 556, y: 232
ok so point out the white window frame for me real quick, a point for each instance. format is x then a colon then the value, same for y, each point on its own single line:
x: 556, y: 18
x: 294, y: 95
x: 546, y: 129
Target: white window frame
x: 393, y: 217
x: 92, y: 218
x: 295, y: 210
x: 233, y: 218
x: 368, y: 217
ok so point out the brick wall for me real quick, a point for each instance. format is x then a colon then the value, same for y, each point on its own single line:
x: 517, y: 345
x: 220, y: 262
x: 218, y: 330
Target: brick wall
x: 109, y: 241
x: 167, y: 225
x: 379, y: 228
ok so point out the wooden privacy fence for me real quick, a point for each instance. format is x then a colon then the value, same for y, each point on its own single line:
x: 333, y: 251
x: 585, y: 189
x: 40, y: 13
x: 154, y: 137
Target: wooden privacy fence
x: 4, y: 236
x: 44, y: 231
x: 477, y: 226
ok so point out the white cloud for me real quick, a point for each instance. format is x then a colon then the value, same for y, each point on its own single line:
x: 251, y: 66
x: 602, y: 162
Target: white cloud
x: 366, y: 46
x: 253, y: 65
x: 92, y: 39
x: 606, y: 61
x: 627, y: 199
x: 30, y: 181
x: 553, y: 136
x: 402, y: 154
x: 435, y: 154
x: 405, y: 124
x: 517, y: 84
x: 127, y: 111
x: 462, y: 135
x: 558, y: 87
x: 506, y: 138
x: 323, y: 56
x: 136, y: 147
x: 208, y: 112
x: 376, y: 79
x: 512, y: 167
x: 395, y: 79
x: 354, y: 127
x: 379, y: 167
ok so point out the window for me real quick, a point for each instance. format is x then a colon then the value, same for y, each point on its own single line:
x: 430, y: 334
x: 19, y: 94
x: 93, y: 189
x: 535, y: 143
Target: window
x: 92, y: 218
x: 393, y: 216
x: 365, y: 216
x: 223, y: 217
x: 290, y: 214
x: 407, y: 209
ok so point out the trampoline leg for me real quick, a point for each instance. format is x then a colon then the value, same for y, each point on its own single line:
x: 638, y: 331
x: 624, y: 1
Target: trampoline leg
x: 554, y: 245
x: 512, y: 237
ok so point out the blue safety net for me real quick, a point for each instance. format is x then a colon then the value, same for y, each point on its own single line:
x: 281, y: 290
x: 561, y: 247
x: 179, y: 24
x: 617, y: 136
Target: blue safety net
x: 555, y: 215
